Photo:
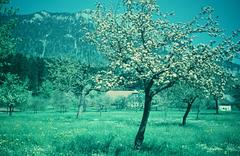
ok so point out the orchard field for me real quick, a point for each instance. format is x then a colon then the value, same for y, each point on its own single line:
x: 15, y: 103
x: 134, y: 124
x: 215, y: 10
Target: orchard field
x: 71, y: 79
x: 113, y: 133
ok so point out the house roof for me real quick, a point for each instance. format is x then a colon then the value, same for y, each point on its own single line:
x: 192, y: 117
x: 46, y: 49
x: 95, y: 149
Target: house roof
x: 115, y: 94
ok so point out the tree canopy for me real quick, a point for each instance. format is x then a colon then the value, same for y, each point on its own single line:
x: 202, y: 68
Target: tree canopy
x: 146, y: 49
x: 13, y: 92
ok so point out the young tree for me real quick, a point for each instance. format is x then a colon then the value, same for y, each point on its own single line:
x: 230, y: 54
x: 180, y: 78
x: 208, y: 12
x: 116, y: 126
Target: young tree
x: 13, y: 92
x: 145, y: 49
x: 185, y: 95
x: 215, y: 86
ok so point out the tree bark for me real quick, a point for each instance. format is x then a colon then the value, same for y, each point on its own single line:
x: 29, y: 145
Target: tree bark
x: 84, y: 105
x: 190, y: 102
x: 79, y: 106
x: 10, y: 109
x: 216, y: 104
x: 198, y: 111
x: 78, y: 111
x: 186, y: 113
x: 140, y: 134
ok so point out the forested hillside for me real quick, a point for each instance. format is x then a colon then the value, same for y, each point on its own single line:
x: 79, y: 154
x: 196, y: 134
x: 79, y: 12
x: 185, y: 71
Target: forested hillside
x: 46, y: 34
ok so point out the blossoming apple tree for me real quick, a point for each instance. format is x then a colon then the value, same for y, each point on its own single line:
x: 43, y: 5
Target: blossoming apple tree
x: 145, y: 49
x: 13, y: 92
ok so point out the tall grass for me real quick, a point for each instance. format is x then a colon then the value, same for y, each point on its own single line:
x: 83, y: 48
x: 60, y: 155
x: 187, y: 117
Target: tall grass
x: 113, y: 134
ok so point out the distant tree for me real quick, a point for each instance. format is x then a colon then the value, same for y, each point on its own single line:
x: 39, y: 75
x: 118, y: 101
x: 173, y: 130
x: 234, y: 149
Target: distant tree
x: 121, y: 102
x: 99, y: 100
x: 185, y: 95
x: 60, y: 101
x: 13, y: 92
x: 36, y: 74
x: 220, y: 83
x: 46, y: 89
x: 163, y: 100
x: 214, y: 86
x: 234, y: 90
x: 145, y: 49
x: 70, y: 75
x: 37, y: 103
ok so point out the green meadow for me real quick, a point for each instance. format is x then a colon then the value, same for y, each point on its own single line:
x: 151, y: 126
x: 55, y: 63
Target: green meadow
x: 113, y: 133
x: 80, y: 78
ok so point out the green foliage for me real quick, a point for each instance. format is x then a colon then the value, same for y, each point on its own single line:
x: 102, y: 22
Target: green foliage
x: 46, y: 89
x: 7, y: 42
x: 182, y: 93
x: 13, y: 91
x: 37, y: 103
x: 62, y: 101
x: 36, y: 73
x: 69, y: 74
x: 5, y: 10
x: 234, y: 90
x: 121, y: 102
x: 99, y: 100
x: 145, y: 48
x: 27, y: 68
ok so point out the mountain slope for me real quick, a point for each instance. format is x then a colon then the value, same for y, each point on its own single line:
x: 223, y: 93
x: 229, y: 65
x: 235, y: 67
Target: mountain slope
x: 47, y: 34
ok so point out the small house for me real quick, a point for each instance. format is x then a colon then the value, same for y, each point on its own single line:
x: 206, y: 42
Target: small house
x: 115, y: 94
x: 129, y: 98
x: 225, y: 108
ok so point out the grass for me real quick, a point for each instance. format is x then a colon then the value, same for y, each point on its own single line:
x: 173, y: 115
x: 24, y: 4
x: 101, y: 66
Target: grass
x: 113, y: 134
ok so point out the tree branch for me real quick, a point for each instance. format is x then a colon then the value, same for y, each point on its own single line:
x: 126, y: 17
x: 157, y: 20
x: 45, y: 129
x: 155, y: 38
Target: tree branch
x: 168, y: 85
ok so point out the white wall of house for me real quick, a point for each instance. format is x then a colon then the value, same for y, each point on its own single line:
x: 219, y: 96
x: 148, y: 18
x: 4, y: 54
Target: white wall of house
x: 225, y: 108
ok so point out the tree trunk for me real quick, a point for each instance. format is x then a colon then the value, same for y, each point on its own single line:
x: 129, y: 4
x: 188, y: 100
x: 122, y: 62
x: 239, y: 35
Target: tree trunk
x: 186, y: 113
x: 10, y: 109
x: 140, y: 134
x: 216, y: 104
x: 198, y: 111
x: 78, y: 111
x: 79, y: 106
x: 84, y: 105
x: 189, y: 102
x: 35, y: 109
